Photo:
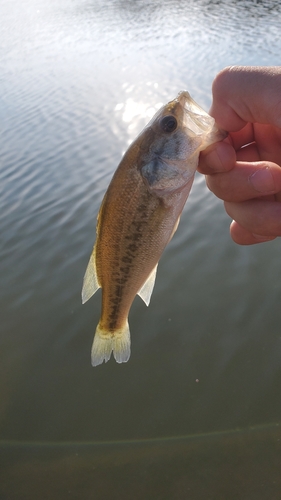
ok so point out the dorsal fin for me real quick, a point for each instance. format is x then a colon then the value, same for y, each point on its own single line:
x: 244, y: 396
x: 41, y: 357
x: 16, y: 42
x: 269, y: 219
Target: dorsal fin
x: 147, y: 288
x: 90, y: 281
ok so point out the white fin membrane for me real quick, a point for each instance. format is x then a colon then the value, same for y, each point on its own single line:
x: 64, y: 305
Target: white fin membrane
x: 90, y: 281
x: 104, y: 344
x: 147, y: 288
x: 175, y: 227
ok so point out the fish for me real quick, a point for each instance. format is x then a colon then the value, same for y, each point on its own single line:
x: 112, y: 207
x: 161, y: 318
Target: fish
x: 139, y: 215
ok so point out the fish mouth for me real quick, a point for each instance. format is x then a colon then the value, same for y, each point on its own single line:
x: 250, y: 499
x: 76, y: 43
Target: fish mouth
x: 198, y: 120
x: 183, y: 97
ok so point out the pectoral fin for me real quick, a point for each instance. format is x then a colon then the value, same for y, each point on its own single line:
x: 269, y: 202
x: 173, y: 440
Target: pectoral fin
x: 90, y: 282
x: 175, y: 228
x: 147, y: 288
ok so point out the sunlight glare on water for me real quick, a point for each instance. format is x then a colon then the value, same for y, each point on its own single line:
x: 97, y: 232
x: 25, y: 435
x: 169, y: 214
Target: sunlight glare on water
x: 133, y: 112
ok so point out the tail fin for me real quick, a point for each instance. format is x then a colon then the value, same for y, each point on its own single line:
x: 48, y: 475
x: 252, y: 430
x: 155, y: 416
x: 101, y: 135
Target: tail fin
x: 105, y: 342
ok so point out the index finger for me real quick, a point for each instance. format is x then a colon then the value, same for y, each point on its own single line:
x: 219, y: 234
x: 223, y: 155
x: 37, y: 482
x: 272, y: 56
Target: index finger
x: 217, y: 158
x: 244, y: 94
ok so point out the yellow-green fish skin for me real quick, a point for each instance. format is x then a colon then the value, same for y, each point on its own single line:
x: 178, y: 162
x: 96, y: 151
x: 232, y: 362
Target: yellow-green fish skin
x: 139, y: 214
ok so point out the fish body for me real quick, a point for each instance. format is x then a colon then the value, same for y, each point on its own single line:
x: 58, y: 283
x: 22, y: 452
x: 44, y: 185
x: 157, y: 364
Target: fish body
x: 139, y: 215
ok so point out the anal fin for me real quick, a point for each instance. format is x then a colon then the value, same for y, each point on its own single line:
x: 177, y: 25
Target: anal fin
x: 90, y: 281
x: 147, y: 288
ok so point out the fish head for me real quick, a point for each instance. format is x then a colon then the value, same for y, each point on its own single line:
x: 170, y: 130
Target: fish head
x: 171, y: 143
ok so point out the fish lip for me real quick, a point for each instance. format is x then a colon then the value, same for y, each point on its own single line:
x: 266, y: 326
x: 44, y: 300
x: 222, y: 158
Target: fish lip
x: 195, y: 112
x: 183, y: 96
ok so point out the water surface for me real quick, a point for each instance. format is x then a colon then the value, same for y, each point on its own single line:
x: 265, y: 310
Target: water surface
x: 78, y: 81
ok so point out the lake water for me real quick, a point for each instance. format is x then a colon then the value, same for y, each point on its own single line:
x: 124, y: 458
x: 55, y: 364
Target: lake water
x: 195, y: 413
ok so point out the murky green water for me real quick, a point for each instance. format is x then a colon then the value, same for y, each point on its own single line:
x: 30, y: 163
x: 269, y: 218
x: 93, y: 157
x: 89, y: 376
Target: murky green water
x: 79, y: 79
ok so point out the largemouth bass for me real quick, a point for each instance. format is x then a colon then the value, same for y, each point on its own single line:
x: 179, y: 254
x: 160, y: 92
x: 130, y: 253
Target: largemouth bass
x: 139, y: 215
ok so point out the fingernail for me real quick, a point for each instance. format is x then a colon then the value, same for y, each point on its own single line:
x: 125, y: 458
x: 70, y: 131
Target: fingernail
x: 261, y: 238
x: 262, y: 181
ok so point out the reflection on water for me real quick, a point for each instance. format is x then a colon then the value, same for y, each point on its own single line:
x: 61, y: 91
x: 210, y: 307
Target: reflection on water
x: 78, y: 81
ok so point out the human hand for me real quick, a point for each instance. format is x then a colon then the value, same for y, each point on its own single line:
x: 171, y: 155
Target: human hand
x: 245, y: 169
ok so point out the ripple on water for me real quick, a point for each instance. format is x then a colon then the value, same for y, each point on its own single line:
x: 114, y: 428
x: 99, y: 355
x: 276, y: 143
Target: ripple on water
x: 78, y: 82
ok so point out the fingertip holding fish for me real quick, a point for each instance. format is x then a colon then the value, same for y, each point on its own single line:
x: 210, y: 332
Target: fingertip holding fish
x: 140, y: 213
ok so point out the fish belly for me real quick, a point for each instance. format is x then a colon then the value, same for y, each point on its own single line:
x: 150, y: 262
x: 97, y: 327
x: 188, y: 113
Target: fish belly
x: 131, y: 237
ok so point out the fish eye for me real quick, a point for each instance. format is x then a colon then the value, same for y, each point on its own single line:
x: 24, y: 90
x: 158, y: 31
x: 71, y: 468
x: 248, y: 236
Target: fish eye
x: 169, y: 123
